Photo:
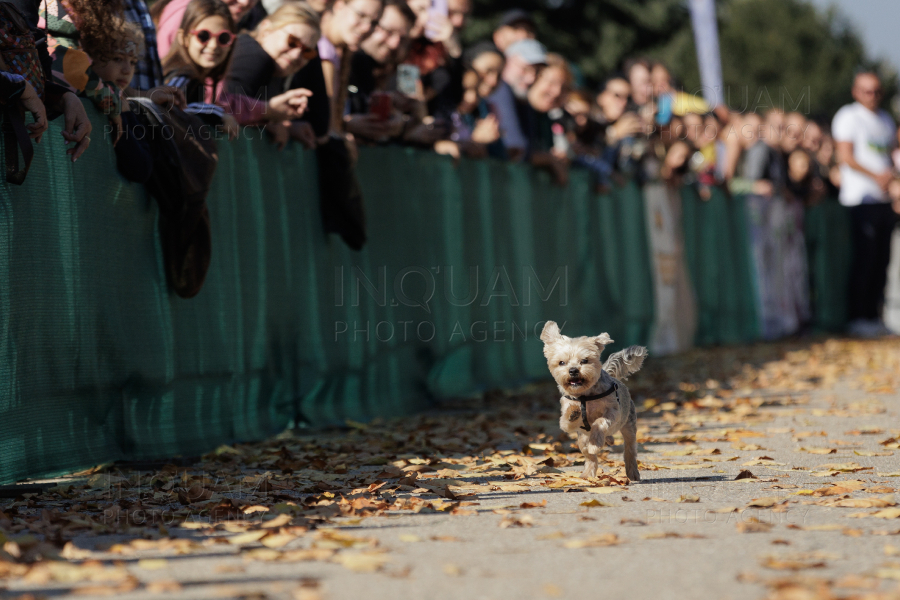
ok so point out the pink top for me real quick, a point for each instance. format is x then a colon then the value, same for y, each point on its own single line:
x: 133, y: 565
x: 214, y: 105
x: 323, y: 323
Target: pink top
x: 246, y: 110
x: 328, y: 52
x: 169, y: 23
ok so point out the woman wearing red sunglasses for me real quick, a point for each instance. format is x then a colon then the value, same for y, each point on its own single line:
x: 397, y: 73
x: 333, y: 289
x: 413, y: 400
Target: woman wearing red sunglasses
x: 281, y: 54
x: 199, y: 60
x: 284, y: 43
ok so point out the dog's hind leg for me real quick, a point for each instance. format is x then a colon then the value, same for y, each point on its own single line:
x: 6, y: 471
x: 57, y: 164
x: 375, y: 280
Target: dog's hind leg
x: 629, y: 434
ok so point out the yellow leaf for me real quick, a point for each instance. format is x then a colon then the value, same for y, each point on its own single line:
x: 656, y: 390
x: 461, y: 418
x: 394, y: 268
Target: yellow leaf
x: 254, y: 509
x: 843, y: 467
x: 410, y: 538
x: 607, y: 539
x: 890, y: 573
x: 604, y: 490
x: 791, y: 564
x: 552, y: 590
x: 267, y: 554
x: 361, y: 562
x: 153, y: 564
x: 764, y: 502
x: 594, y: 503
x: 865, y: 502
x: 247, y: 538
x: 279, y: 521
x: 277, y: 540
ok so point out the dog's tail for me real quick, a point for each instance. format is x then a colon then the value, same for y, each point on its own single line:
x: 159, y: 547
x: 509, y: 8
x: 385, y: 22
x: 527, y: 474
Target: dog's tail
x: 625, y: 362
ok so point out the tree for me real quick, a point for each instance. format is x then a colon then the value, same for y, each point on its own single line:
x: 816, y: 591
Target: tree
x: 775, y: 53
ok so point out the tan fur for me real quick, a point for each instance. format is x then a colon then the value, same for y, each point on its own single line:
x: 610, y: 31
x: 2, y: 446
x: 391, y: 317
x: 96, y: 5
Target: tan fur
x: 576, y: 366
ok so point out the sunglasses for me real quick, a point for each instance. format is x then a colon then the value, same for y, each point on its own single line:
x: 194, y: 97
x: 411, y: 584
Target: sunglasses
x: 306, y: 52
x: 223, y: 38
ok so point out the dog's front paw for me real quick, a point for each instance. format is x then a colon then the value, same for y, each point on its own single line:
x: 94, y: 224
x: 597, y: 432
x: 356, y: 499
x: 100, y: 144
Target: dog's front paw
x: 593, y: 449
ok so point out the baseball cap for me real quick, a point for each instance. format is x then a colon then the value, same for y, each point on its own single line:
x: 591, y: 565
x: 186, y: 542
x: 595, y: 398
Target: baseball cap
x: 516, y: 15
x: 531, y: 51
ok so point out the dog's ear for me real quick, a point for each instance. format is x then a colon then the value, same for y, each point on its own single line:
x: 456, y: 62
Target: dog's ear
x: 550, y: 332
x: 603, y: 340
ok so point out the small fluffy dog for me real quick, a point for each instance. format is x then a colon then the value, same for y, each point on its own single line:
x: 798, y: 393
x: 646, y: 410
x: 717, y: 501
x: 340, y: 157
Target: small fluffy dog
x: 595, y: 403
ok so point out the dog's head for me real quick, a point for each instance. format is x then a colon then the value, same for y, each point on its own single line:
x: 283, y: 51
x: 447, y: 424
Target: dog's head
x: 574, y: 362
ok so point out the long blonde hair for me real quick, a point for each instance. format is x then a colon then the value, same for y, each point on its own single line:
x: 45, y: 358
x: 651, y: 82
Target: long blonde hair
x: 287, y: 14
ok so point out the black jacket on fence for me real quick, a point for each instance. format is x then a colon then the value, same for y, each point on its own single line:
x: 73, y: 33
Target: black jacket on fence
x: 253, y: 74
x: 133, y: 155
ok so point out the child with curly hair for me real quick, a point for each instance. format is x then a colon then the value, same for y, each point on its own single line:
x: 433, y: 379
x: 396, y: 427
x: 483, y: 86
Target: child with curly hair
x: 115, y: 53
x: 70, y: 24
x: 73, y: 24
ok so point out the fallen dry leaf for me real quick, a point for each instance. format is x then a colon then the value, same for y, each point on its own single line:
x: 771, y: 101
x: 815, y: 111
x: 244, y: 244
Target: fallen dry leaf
x: 594, y: 503
x: 606, y: 539
x: 753, y: 525
x: 517, y: 521
x: 659, y: 535
x: 766, y: 502
x: 552, y: 590
x: 791, y: 564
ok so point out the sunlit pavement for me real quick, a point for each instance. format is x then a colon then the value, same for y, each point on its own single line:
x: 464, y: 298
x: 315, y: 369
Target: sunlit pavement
x: 767, y: 471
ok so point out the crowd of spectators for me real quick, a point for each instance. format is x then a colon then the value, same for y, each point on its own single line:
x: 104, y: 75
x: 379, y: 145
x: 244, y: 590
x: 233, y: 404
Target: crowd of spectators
x: 396, y: 72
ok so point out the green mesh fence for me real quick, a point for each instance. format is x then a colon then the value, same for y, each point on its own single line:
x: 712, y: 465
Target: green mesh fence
x: 829, y: 250
x: 717, y: 251
x: 99, y: 362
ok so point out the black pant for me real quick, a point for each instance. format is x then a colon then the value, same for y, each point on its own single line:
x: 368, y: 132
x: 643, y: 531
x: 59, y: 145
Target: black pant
x: 871, y: 227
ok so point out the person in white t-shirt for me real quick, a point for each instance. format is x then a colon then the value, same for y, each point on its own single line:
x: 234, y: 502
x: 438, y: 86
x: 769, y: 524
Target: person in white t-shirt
x: 865, y: 136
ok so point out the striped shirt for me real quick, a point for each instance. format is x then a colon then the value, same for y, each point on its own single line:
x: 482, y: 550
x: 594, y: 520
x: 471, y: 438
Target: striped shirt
x: 148, y: 71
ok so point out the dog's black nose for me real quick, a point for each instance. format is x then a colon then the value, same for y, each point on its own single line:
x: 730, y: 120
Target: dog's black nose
x: 573, y: 371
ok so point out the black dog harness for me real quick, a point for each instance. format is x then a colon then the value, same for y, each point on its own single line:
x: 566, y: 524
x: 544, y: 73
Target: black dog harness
x: 585, y: 399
